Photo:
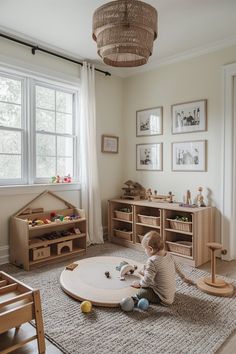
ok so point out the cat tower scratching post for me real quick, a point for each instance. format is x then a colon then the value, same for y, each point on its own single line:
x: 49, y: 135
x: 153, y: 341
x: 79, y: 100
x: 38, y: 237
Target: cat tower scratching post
x: 212, y: 285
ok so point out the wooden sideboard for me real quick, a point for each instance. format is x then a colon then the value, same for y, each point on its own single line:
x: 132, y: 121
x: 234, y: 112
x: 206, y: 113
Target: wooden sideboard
x: 186, y: 240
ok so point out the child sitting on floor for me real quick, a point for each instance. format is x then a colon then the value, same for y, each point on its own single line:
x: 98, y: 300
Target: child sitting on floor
x: 157, y: 283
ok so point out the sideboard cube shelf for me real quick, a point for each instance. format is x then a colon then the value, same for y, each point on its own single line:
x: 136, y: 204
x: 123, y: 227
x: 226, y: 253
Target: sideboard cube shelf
x: 32, y: 246
x: 185, y: 240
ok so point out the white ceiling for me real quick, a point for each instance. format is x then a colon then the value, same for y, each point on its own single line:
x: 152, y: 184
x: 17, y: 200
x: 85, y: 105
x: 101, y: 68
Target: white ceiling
x: 185, y: 27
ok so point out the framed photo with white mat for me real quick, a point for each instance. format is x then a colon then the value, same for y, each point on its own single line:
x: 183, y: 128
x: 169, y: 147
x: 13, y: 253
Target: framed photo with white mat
x: 189, y: 156
x: 149, y: 157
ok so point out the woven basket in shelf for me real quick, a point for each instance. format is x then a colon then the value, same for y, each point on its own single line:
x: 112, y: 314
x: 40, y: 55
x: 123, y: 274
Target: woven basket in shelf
x: 185, y: 226
x: 140, y: 237
x: 181, y: 247
x: 126, y: 235
x: 123, y: 215
x: 149, y: 220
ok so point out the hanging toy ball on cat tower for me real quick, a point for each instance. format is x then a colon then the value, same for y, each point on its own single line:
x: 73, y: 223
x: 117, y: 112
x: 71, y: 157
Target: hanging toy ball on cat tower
x: 212, y: 285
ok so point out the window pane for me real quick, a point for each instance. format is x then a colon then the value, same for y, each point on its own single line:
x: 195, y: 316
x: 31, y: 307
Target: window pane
x: 64, y: 123
x: 10, y: 115
x: 64, y: 147
x: 64, y: 102
x: 65, y: 166
x: 45, y: 98
x: 10, y: 166
x: 10, y: 142
x: 45, y: 120
x: 45, y: 167
x: 10, y: 90
x: 46, y: 145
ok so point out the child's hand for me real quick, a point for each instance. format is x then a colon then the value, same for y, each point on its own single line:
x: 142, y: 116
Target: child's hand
x: 136, y: 285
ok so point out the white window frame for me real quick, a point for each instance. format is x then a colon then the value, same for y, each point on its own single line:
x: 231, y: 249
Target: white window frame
x: 28, y: 122
x: 23, y: 130
x: 34, y: 132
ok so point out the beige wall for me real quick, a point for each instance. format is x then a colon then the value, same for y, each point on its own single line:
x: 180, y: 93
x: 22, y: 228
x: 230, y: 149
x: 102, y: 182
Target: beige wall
x: 109, y: 96
x: 117, y: 101
x: 193, y: 79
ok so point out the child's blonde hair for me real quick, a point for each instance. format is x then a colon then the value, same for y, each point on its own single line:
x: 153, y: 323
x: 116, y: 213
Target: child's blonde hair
x: 153, y: 239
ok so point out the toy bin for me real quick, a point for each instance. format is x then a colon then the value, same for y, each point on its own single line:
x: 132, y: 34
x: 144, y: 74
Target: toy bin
x: 126, y: 235
x: 185, y: 226
x: 140, y: 238
x: 149, y: 220
x: 182, y: 247
x: 40, y: 253
x: 122, y: 215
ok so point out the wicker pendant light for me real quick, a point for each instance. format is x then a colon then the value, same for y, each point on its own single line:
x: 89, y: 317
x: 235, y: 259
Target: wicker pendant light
x: 124, y: 31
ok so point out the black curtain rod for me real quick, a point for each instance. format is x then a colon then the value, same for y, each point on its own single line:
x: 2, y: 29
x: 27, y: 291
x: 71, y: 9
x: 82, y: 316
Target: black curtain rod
x: 34, y: 48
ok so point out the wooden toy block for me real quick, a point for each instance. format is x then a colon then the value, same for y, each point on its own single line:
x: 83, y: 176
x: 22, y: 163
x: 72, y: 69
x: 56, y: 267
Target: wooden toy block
x: 71, y: 266
x: 40, y: 253
x: 64, y: 247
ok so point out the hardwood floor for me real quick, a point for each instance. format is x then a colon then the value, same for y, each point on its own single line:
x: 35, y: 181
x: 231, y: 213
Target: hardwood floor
x: 223, y: 268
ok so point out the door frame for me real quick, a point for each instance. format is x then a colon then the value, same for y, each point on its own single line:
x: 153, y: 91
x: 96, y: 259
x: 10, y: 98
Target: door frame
x: 228, y: 217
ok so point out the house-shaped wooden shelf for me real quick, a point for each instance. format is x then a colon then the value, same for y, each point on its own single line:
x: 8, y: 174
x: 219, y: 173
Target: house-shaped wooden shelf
x: 40, y: 237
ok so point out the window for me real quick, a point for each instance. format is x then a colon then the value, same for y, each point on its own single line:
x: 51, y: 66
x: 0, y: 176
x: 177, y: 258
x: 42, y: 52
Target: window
x: 39, y: 142
x: 12, y: 130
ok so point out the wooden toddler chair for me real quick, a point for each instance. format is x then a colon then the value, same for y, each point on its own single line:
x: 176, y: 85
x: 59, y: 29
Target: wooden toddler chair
x: 20, y: 304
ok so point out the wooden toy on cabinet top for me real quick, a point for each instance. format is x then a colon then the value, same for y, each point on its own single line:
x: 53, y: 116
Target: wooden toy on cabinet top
x: 200, y: 198
x: 159, y: 198
x: 134, y: 191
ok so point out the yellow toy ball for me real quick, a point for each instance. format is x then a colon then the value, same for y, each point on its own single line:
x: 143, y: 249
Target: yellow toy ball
x: 86, y: 306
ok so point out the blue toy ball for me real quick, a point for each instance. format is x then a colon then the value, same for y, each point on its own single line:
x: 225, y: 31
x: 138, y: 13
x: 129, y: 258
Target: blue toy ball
x: 143, y: 304
x: 127, y: 304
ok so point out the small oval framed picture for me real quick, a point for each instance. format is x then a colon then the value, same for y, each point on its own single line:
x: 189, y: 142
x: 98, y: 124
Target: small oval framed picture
x: 189, y: 117
x: 149, y: 122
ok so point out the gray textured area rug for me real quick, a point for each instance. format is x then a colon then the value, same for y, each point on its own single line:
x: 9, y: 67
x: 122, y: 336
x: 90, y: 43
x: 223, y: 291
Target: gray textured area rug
x: 195, y: 323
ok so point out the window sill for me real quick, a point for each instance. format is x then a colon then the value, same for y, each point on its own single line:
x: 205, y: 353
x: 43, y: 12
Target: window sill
x: 39, y: 188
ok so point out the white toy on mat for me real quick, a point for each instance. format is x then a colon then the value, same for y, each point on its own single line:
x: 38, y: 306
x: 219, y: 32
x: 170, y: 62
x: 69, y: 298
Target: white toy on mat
x: 126, y: 269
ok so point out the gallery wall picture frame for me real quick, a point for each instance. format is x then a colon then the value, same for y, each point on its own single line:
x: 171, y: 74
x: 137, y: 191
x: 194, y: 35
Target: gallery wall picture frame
x: 149, y: 157
x: 149, y: 122
x: 110, y: 144
x: 189, y: 117
x: 189, y: 155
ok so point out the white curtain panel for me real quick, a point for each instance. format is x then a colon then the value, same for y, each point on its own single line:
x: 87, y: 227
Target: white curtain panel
x: 91, y: 201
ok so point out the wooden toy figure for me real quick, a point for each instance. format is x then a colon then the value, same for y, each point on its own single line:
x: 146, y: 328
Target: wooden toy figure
x: 170, y: 197
x: 200, y: 198
x: 188, y: 197
x: 149, y: 193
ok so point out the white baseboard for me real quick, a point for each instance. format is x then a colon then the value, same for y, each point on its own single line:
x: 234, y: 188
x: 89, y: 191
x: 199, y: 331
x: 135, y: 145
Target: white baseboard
x: 4, y: 254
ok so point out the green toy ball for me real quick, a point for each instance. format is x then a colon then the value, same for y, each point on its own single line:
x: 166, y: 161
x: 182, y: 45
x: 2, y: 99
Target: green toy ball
x: 86, y: 306
x: 127, y: 304
x: 143, y: 304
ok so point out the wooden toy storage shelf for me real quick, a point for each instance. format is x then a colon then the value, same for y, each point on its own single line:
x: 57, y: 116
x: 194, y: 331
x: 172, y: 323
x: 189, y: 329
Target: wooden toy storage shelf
x: 32, y: 246
x: 185, y: 240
